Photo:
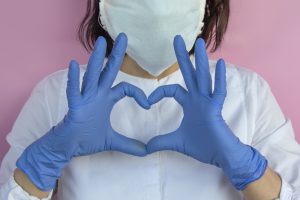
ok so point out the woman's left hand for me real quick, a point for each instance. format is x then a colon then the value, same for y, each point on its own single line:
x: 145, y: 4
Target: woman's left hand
x: 203, y: 134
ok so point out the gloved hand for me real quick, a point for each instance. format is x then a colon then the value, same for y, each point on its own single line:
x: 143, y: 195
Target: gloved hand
x: 86, y: 128
x: 203, y: 134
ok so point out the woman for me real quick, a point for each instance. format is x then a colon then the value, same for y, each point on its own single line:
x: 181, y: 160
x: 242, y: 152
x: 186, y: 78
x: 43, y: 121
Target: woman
x: 219, y: 135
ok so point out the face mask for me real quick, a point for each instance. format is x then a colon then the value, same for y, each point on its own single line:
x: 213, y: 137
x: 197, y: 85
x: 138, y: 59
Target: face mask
x: 151, y: 26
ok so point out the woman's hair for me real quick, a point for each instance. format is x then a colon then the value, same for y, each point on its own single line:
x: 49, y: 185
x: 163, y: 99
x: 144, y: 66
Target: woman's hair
x: 215, y: 25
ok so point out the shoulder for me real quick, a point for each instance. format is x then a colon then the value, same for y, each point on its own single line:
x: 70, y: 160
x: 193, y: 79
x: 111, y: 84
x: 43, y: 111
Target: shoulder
x: 56, y: 81
x: 241, y: 78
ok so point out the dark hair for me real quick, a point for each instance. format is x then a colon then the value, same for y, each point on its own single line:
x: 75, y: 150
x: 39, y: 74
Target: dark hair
x: 215, y: 25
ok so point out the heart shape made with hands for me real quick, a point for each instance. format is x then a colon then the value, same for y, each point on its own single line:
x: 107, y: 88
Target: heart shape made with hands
x: 201, y: 108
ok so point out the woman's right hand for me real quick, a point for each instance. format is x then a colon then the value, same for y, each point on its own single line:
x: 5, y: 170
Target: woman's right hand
x: 86, y: 128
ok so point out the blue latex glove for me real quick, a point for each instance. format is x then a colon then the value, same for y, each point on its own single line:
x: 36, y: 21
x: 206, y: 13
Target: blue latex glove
x: 86, y: 128
x: 203, y: 134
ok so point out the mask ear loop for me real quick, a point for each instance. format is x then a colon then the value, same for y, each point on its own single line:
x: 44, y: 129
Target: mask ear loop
x: 99, y: 21
x: 99, y: 16
x: 201, y: 22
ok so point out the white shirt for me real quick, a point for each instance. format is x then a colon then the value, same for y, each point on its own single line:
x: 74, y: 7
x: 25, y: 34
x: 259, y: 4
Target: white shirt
x: 250, y: 110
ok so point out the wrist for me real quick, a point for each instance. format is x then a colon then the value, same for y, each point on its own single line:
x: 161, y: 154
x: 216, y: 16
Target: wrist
x: 245, y: 168
x: 41, y: 162
x: 266, y: 187
x: 24, y: 182
x: 40, y: 171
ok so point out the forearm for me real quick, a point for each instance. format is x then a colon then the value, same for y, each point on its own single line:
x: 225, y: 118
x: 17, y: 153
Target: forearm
x: 266, y: 188
x: 27, y: 185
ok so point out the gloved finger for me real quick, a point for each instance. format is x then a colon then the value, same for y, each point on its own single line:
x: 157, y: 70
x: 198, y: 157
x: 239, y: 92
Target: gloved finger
x: 114, y: 62
x: 202, y: 68
x: 220, y: 90
x: 94, y: 67
x: 173, y: 90
x: 164, y: 142
x: 185, y: 64
x: 123, y: 89
x: 73, y: 91
x: 127, y: 145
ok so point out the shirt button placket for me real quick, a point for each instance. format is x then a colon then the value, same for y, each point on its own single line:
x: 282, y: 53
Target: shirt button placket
x: 154, y: 187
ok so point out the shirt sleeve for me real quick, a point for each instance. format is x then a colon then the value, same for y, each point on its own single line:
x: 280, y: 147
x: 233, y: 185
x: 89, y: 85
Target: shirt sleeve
x: 33, y: 121
x: 274, y: 137
x: 12, y: 191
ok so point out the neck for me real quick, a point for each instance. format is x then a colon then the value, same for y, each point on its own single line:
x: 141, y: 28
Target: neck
x: 129, y: 66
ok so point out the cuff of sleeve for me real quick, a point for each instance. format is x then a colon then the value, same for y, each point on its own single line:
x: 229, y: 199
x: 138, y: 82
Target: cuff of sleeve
x: 287, y: 191
x: 16, y: 191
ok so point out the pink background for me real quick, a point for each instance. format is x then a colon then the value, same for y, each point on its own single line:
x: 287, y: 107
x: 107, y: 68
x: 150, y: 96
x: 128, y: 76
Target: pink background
x: 39, y: 37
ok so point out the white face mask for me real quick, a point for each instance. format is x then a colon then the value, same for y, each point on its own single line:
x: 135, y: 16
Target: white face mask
x: 151, y: 26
